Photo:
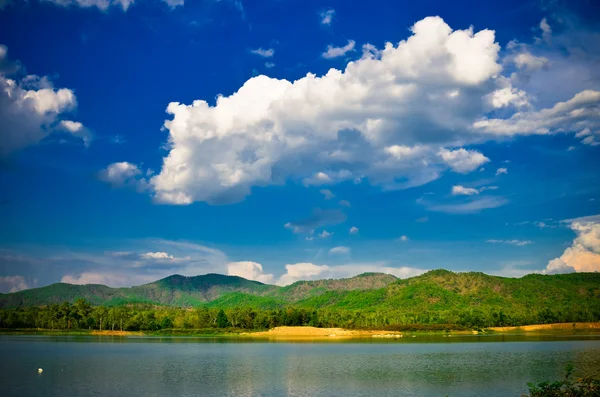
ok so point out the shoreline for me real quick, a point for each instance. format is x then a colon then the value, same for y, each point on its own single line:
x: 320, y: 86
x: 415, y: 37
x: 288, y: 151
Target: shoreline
x: 309, y: 333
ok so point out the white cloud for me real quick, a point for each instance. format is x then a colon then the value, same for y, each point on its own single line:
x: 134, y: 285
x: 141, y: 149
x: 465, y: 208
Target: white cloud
x: 463, y: 161
x: 470, y: 206
x: 484, y: 188
x: 111, y: 279
x: 397, y: 117
x: 325, y: 234
x: 122, y: 174
x: 518, y: 243
x: 269, y: 65
x: 30, y: 108
x: 174, y: 3
x: 403, y: 238
x: 345, y: 203
x: 529, y: 62
x: 339, y: 250
x: 327, y: 193
x: 584, y: 253
x: 327, y: 16
x: 13, y: 283
x: 546, y: 30
x: 326, y: 178
x: 458, y: 190
x: 249, y: 270
x: 501, y: 171
x: 157, y: 255
x: 508, y: 96
x: 335, y: 52
x: 265, y: 53
x: 78, y: 130
x: 104, y: 5
x: 310, y: 271
x: 353, y: 230
x: 147, y: 261
x: 577, y: 114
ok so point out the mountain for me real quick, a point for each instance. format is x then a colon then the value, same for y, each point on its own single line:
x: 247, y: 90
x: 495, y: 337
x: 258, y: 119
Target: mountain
x: 438, y: 294
x: 184, y: 291
x: 451, y: 295
x: 306, y: 289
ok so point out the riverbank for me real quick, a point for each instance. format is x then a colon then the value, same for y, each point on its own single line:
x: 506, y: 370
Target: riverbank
x: 307, y: 333
x: 593, y: 326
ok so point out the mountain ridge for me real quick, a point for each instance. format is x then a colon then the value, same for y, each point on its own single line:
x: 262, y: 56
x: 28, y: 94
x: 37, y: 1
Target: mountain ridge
x: 186, y: 291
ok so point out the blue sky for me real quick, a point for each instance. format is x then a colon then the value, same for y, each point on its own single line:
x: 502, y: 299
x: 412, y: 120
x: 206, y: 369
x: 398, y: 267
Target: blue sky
x: 283, y: 140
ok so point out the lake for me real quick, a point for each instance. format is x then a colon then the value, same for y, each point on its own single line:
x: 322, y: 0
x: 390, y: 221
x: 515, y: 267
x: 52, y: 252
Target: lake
x: 140, y: 366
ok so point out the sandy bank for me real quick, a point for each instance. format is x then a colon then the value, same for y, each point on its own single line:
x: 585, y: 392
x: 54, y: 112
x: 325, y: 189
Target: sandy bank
x: 550, y: 327
x: 314, y: 332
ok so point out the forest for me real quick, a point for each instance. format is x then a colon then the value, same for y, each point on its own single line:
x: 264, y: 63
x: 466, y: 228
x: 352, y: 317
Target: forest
x: 81, y: 315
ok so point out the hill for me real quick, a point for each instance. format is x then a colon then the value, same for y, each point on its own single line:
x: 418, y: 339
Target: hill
x: 440, y: 299
x: 184, y: 291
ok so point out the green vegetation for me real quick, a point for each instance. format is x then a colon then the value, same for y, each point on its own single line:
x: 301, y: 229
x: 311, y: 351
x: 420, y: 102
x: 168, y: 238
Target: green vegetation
x: 183, y: 291
x: 438, y: 299
x: 586, y: 386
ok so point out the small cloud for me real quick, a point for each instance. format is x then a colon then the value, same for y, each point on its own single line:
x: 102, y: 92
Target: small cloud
x: 327, y: 16
x: 269, y: 65
x: 157, y: 255
x: 123, y: 174
x: 471, y: 206
x: 483, y: 189
x: 345, y: 203
x: 335, y: 52
x: 500, y: 171
x: 77, y: 129
x: 463, y: 161
x: 327, y: 193
x: 265, y: 53
x: 458, y: 190
x: 13, y: 284
x: 571, y: 148
x: 319, y: 218
x: 250, y: 271
x: 518, y: 243
x: 339, y: 251
x: 546, y: 30
x: 402, y: 238
x: 422, y: 219
x: 325, y: 234
x: 172, y: 3
x: 117, y: 140
x: 353, y: 230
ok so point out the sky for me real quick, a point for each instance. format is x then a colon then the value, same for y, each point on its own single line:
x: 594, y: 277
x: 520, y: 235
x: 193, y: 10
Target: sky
x: 285, y: 140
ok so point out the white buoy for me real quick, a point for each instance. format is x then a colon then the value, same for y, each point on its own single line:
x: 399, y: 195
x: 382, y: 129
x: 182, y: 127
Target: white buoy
x: 40, y: 370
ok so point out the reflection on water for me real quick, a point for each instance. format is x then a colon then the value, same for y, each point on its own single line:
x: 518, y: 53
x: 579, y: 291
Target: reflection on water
x: 99, y: 366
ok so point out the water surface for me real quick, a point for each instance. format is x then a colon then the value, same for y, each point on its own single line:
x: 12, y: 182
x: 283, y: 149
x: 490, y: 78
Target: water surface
x: 113, y: 366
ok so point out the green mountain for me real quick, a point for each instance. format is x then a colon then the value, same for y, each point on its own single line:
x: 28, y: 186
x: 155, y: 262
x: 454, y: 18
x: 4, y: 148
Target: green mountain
x: 184, y: 291
x: 440, y: 294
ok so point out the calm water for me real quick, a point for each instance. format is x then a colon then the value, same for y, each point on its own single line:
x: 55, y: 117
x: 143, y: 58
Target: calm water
x: 105, y: 366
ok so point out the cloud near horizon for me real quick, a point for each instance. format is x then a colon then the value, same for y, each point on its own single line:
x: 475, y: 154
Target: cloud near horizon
x: 584, y: 253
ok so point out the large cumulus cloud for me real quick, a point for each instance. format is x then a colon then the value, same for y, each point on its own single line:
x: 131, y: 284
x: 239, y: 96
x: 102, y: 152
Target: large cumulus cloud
x: 398, y: 117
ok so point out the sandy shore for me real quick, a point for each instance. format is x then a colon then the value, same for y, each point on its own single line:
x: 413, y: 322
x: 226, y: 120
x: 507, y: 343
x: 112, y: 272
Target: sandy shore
x: 550, y: 327
x: 314, y: 332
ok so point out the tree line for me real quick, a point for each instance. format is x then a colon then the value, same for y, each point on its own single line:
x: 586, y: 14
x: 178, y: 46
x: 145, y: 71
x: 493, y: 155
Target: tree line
x: 81, y: 315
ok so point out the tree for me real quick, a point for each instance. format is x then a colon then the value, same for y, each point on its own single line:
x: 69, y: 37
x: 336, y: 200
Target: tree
x: 222, y: 321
